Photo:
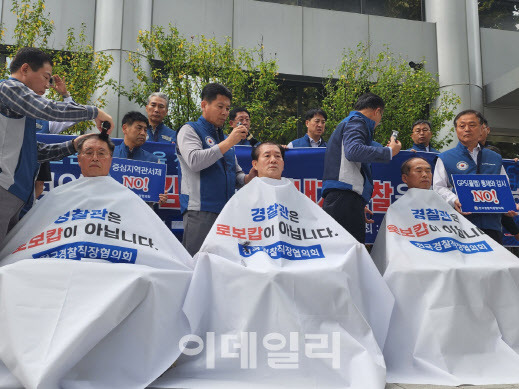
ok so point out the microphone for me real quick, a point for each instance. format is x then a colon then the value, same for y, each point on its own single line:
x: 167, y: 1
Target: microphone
x: 253, y: 141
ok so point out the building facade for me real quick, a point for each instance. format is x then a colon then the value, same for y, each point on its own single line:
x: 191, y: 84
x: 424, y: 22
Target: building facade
x: 308, y: 38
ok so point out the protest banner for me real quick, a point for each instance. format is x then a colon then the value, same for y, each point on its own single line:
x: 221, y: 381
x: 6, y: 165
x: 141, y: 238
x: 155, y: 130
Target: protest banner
x: 291, y: 299
x: 456, y: 296
x: 146, y: 179
x: 484, y: 193
x: 94, y: 217
x: 303, y: 165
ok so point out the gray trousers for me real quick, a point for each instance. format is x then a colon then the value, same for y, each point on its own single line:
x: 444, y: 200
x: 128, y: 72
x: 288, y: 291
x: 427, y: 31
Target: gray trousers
x: 197, y: 225
x: 10, y: 206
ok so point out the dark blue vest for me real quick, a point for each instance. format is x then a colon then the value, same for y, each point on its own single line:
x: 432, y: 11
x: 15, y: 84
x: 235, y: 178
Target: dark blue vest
x: 163, y: 134
x: 218, y: 181
x: 138, y: 154
x: 42, y: 126
x: 421, y: 147
x: 305, y: 142
x: 459, y: 161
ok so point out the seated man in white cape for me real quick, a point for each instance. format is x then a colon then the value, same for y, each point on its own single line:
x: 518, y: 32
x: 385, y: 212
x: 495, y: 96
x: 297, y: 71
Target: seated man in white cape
x: 92, y: 285
x: 291, y: 298
x: 456, y: 292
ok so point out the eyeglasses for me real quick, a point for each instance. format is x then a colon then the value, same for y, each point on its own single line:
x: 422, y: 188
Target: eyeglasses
x: 317, y: 121
x: 101, y: 154
x: 423, y: 130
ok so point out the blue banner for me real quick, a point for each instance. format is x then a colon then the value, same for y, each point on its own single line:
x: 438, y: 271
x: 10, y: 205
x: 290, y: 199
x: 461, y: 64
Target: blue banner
x: 483, y: 193
x: 78, y: 250
x: 283, y: 250
x: 145, y: 179
x: 304, y: 166
x: 443, y: 245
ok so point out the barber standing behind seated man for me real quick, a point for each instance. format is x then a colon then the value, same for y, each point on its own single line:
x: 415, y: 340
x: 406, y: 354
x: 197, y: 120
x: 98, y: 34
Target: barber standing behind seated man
x: 469, y: 158
x: 21, y: 103
x: 347, y: 180
x: 208, y: 169
x: 315, y: 125
x: 157, y: 109
x: 421, y: 136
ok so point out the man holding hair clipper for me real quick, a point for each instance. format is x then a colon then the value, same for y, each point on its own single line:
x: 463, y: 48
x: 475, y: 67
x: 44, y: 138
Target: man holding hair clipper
x: 347, y: 180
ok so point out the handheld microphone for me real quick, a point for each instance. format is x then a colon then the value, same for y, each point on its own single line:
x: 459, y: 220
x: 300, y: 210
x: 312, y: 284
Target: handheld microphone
x: 249, y: 137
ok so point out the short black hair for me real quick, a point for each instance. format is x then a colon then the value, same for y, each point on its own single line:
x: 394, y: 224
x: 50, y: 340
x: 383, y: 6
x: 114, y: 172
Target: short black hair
x: 421, y: 121
x: 254, y: 154
x: 315, y: 111
x: 478, y: 114
x: 234, y: 112
x: 36, y: 58
x: 134, y: 116
x: 211, y: 91
x: 406, y: 168
x: 105, y: 139
x: 369, y: 100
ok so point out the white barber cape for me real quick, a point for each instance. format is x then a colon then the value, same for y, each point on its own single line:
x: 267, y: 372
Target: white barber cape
x: 92, y: 285
x: 290, y: 299
x: 456, y: 296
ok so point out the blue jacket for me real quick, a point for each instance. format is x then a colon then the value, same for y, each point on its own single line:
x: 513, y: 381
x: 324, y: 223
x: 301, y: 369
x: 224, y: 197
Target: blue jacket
x: 459, y: 161
x: 163, y: 134
x: 138, y: 154
x: 349, y: 154
x: 209, y: 189
x: 305, y: 142
x: 421, y: 147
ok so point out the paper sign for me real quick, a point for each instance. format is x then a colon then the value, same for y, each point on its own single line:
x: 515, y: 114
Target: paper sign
x: 483, y: 193
x: 146, y: 179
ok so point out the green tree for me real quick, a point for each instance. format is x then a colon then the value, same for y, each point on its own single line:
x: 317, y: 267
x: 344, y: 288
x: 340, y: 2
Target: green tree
x: 84, y: 70
x: 180, y: 67
x: 409, y: 94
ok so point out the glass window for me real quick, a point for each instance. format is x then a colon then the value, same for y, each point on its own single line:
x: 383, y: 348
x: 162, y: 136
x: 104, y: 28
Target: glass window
x: 294, y: 98
x: 499, y: 14
x: 403, y: 9
x: 288, y: 2
x: 336, y: 5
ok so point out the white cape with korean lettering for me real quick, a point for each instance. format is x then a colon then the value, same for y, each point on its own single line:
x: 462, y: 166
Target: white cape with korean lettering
x: 91, y: 323
x: 310, y: 313
x: 457, y: 297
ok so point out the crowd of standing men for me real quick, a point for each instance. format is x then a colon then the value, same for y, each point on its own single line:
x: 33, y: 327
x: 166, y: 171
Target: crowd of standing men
x: 209, y: 173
